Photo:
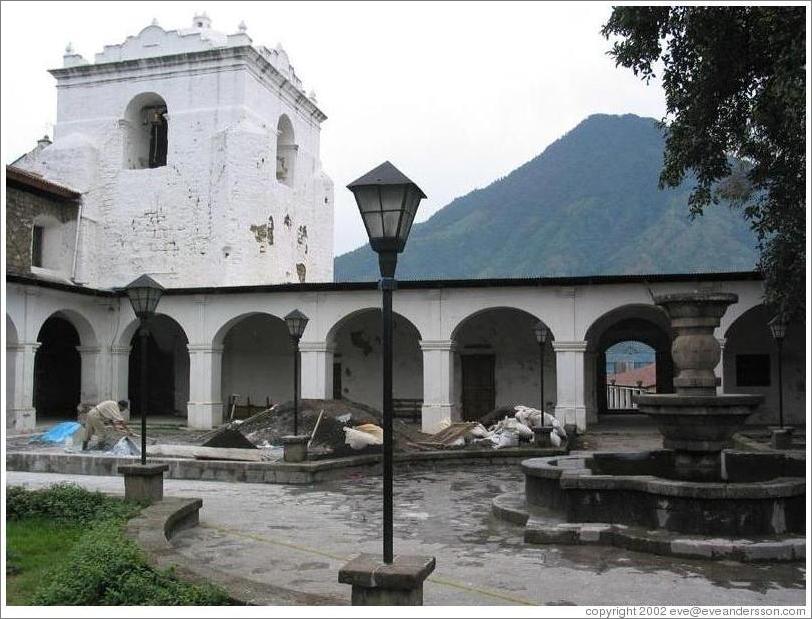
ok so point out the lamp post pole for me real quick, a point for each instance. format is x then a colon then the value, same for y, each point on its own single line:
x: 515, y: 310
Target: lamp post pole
x: 144, y: 294
x: 296, y: 386
x: 296, y: 322
x: 143, y: 334
x: 540, y: 329
x: 780, y: 342
x: 541, y: 378
x: 387, y: 285
x: 778, y: 329
x: 387, y: 201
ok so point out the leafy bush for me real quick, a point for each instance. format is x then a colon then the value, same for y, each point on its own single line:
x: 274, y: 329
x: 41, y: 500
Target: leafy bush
x: 105, y: 568
x: 65, y: 503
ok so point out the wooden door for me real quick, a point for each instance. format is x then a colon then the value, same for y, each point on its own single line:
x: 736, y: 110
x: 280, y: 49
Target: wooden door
x: 337, y: 395
x: 478, y: 386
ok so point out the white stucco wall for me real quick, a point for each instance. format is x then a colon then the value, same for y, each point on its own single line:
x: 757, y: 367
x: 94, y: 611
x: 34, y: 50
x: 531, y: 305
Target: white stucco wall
x: 215, y: 214
x: 426, y: 357
x: 751, y: 335
x: 508, y: 336
x: 358, y: 349
x: 258, y: 361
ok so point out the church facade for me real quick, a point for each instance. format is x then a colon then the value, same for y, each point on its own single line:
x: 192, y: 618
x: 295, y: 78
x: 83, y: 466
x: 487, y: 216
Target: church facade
x: 193, y: 156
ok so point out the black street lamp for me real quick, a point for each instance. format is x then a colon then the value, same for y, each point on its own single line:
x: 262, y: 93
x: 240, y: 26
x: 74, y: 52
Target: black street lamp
x: 778, y: 328
x: 144, y: 294
x: 541, y: 332
x: 296, y: 322
x: 387, y: 201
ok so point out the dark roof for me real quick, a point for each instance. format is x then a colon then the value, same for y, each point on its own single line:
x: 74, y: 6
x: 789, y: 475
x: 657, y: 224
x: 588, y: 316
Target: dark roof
x: 22, y: 179
x: 384, y: 174
x: 415, y: 284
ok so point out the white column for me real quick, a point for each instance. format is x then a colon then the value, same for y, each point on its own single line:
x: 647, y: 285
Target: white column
x: 205, y: 409
x: 316, y: 370
x: 90, y: 390
x: 120, y: 370
x: 438, y: 384
x: 569, y: 359
x: 20, y: 414
x: 719, y: 370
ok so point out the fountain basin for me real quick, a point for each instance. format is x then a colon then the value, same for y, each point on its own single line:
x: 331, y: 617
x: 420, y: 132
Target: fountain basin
x: 765, y: 496
x: 697, y: 427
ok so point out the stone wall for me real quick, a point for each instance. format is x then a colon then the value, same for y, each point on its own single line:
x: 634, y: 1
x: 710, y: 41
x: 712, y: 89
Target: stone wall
x: 22, y: 209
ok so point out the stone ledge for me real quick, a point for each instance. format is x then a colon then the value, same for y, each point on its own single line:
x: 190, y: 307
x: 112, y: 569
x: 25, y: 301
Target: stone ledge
x: 143, y: 470
x: 256, y: 472
x: 153, y: 529
x: 550, y: 530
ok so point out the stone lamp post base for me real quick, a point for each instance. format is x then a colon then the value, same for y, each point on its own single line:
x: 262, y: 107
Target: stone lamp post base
x: 375, y: 583
x: 143, y: 483
x: 542, y: 436
x: 781, y: 438
x: 295, y: 448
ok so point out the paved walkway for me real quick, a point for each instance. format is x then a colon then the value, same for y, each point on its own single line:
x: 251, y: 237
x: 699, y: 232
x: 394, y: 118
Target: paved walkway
x: 298, y: 537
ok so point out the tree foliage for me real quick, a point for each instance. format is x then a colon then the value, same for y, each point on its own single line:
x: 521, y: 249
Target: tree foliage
x: 735, y: 81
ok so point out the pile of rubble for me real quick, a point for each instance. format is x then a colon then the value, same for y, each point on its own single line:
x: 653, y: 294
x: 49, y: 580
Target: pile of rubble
x: 341, y: 427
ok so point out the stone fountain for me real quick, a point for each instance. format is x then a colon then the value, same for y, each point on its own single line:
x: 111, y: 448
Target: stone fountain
x: 694, y: 498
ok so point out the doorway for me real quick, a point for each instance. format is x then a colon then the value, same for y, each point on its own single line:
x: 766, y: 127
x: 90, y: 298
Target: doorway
x: 478, y: 386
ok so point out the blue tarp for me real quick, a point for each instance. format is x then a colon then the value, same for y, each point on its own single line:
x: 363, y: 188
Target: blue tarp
x: 59, y: 433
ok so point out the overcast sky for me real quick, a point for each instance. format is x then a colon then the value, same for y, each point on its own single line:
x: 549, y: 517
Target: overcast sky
x: 456, y: 95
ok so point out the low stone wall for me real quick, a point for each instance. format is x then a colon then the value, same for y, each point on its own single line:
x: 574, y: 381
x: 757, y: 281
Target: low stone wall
x: 262, y: 472
x: 155, y: 526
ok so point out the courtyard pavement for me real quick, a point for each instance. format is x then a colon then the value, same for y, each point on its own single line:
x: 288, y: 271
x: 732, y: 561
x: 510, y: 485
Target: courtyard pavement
x: 297, y: 538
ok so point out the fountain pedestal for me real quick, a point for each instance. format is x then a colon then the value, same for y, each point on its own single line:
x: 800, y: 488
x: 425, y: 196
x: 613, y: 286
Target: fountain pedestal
x: 696, y: 422
x: 695, y: 498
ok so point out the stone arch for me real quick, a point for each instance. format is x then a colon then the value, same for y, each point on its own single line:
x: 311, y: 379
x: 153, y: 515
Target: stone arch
x: 58, y: 368
x: 12, y: 336
x: 85, y: 330
x: 497, y: 362
x: 146, y: 132
x: 635, y: 322
x: 286, y: 151
x: 750, y: 365
x: 340, y: 322
x: 12, y: 342
x: 257, y: 360
x: 357, y: 364
x: 167, y: 366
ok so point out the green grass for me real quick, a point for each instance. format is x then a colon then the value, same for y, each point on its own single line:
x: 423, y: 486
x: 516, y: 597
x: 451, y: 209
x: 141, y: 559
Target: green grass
x: 66, y: 546
x: 34, y: 547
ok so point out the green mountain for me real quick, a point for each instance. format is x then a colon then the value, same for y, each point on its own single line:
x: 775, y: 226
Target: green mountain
x: 588, y: 205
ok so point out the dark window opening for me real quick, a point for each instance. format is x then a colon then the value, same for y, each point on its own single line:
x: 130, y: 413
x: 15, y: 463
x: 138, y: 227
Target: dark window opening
x: 36, y: 246
x: 753, y: 370
x: 159, y: 137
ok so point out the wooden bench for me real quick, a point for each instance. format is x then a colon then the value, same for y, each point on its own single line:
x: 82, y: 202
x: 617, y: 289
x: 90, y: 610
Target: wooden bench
x: 407, y: 408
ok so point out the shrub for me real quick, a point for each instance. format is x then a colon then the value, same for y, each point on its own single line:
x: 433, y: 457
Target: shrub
x: 104, y: 568
x: 65, y: 503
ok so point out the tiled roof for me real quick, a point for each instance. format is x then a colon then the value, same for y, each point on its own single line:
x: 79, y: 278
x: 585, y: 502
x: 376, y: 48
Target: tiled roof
x: 24, y: 179
x: 647, y: 374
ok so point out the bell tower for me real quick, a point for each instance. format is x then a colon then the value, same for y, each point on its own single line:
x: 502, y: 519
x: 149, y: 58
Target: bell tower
x: 197, y: 153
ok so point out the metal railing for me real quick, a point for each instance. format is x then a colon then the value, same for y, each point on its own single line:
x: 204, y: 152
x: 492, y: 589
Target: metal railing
x: 619, y: 397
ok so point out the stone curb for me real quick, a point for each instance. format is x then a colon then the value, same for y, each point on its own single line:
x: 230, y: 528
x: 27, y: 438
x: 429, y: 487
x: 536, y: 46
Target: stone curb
x: 257, y: 472
x: 548, y: 531
x: 153, y: 529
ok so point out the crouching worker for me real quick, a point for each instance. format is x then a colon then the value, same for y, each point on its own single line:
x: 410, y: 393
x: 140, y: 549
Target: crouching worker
x: 100, y: 419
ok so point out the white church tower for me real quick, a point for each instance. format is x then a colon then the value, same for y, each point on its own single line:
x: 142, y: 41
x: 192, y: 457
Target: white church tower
x: 197, y: 154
